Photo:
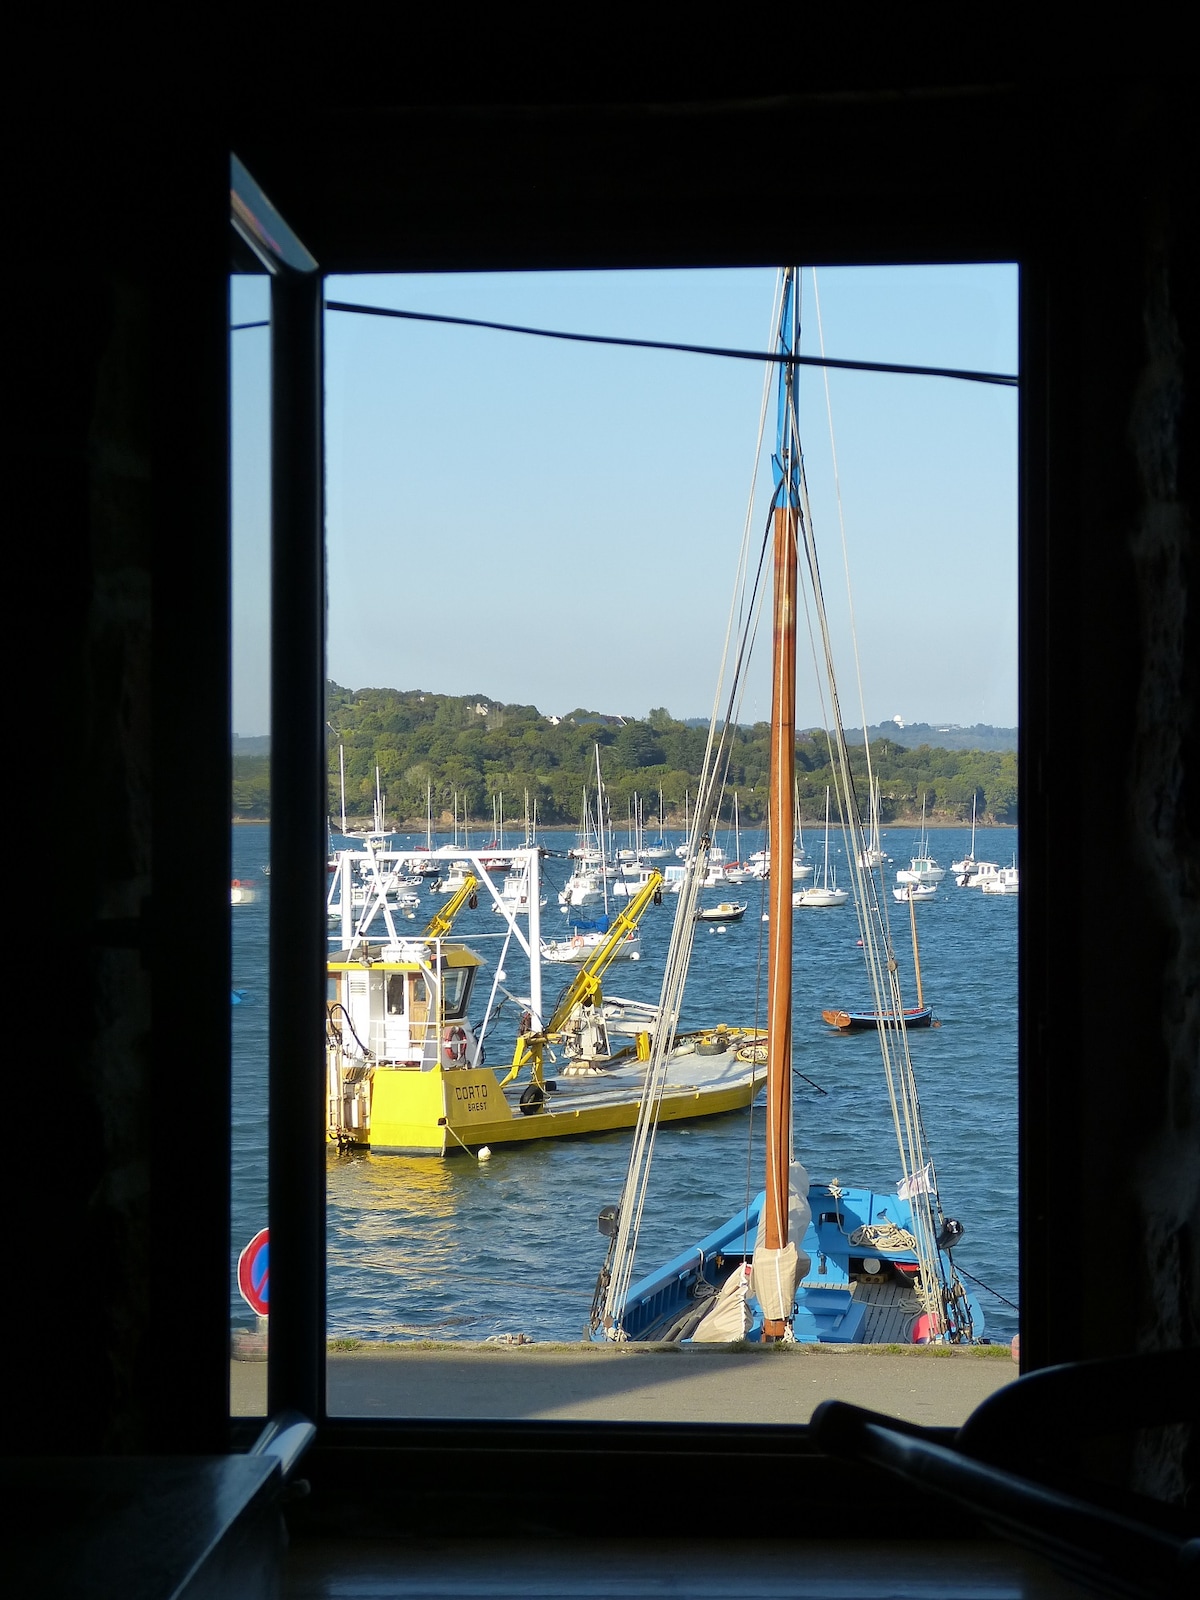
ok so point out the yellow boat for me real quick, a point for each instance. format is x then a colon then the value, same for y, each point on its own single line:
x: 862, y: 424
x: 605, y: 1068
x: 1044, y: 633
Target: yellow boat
x: 405, y: 1066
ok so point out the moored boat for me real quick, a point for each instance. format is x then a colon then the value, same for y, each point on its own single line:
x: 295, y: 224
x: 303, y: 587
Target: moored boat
x: 922, y: 869
x: 1006, y: 881
x: 584, y: 942
x: 406, y: 1064
x: 826, y: 894
x: 861, y: 1021
x: 918, y: 1016
x: 912, y: 892
x: 977, y: 874
x: 727, y: 911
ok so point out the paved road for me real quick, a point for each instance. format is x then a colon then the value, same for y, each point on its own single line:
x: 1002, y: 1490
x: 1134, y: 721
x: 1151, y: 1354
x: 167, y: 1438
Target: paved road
x: 599, y: 1383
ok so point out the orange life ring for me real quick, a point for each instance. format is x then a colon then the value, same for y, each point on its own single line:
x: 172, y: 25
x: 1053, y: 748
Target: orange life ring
x: 455, y: 1040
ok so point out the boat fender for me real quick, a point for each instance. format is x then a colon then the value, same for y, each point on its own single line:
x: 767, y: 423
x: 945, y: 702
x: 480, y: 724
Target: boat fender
x: 926, y: 1328
x: 658, y: 897
x: 533, y: 1099
x: 455, y: 1040
x: 473, y: 902
x: 951, y: 1234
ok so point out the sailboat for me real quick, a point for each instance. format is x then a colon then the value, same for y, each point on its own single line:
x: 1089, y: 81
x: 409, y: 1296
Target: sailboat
x: 805, y: 1261
x: 736, y: 870
x: 826, y: 893
x: 871, y: 854
x: 656, y: 852
x: 922, y: 869
x: 918, y: 1016
x: 972, y: 874
x: 967, y: 864
x: 586, y: 884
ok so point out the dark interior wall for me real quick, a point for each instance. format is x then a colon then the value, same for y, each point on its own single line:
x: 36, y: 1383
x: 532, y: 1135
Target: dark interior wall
x: 118, y: 368
x: 1111, y: 1040
x: 118, y: 1187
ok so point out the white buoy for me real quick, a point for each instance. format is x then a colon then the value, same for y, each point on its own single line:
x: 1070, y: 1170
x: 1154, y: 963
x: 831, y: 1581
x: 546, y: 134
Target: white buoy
x: 485, y: 1153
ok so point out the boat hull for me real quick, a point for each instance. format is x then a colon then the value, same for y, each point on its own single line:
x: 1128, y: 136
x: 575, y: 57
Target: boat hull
x: 861, y: 1021
x: 439, y: 1112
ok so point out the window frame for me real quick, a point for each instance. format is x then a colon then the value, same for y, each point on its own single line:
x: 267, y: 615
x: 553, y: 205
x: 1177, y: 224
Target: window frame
x: 366, y: 1460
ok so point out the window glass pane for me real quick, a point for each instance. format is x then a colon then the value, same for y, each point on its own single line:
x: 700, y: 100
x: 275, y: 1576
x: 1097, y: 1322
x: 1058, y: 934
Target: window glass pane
x: 251, y: 844
x: 532, y: 548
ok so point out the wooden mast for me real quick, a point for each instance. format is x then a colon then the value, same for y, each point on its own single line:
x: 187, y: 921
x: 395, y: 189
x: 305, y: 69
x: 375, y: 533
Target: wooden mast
x: 912, y: 916
x: 782, y: 830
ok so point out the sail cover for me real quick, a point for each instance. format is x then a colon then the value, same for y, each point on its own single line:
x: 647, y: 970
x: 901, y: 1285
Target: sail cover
x: 728, y: 1318
x: 777, y: 1272
x: 773, y: 1280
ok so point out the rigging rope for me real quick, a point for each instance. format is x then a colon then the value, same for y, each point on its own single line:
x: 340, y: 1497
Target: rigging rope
x: 941, y: 1294
x: 744, y: 612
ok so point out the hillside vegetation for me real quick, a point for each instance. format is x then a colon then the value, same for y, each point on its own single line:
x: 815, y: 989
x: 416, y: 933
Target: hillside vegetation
x: 472, y: 748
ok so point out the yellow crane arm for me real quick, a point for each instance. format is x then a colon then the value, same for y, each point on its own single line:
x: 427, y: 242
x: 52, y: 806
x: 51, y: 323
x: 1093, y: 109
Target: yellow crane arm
x: 442, y: 921
x: 586, y: 982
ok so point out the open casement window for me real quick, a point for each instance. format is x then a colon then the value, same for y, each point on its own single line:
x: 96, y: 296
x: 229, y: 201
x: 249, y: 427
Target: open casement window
x: 298, y: 980
x: 966, y: 181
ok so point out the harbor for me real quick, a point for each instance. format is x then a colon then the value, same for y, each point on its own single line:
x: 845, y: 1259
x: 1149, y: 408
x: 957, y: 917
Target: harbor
x: 457, y: 1251
x: 826, y: 1251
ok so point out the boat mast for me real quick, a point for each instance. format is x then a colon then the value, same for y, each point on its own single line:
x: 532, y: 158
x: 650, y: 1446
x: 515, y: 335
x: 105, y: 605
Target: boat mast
x: 342, y: 774
x: 600, y: 831
x: 912, y: 913
x: 781, y: 813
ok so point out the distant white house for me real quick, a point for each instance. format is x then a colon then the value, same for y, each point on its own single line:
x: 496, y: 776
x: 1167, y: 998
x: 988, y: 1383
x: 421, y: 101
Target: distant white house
x: 899, y: 721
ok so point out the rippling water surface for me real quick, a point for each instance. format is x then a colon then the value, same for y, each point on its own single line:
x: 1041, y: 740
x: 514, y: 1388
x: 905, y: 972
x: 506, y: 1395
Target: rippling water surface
x: 445, y: 1249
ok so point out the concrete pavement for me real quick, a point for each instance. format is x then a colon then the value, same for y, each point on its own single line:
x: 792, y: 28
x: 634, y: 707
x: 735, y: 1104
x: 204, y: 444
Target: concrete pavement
x: 606, y: 1383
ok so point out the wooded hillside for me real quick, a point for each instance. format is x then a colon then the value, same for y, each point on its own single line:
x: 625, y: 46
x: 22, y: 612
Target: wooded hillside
x: 472, y: 748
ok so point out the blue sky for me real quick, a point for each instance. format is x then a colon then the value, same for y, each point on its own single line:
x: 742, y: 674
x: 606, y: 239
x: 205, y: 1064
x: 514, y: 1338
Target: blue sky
x: 559, y: 524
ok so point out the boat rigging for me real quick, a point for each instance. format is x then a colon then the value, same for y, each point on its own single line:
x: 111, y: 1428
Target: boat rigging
x: 883, y: 1262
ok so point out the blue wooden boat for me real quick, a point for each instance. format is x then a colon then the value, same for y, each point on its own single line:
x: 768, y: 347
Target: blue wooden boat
x: 860, y: 1286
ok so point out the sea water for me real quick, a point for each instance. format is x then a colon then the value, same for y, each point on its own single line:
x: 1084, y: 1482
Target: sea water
x: 460, y: 1249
